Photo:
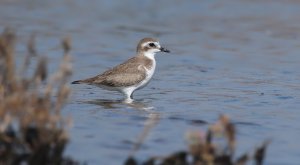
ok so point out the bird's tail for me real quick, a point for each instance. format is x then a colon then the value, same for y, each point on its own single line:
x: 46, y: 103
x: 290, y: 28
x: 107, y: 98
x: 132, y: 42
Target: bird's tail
x: 77, y: 82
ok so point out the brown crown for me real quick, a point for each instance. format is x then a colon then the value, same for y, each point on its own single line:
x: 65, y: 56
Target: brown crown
x: 142, y: 41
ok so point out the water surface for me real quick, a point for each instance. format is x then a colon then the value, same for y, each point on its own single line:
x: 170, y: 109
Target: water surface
x: 239, y: 58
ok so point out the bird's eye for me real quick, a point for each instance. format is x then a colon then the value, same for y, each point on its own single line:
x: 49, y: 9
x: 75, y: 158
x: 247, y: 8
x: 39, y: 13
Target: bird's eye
x: 152, y: 44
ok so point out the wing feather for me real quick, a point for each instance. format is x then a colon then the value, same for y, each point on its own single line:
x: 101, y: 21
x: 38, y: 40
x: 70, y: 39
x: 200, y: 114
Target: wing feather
x: 126, y: 74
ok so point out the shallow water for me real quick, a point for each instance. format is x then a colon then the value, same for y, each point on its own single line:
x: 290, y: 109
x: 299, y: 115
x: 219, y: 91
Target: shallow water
x: 239, y: 58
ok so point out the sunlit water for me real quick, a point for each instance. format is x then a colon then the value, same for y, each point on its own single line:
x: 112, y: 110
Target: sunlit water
x: 240, y: 58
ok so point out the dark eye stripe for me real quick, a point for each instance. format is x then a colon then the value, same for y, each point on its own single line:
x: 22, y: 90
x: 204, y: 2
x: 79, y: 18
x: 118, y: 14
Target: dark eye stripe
x: 152, y: 44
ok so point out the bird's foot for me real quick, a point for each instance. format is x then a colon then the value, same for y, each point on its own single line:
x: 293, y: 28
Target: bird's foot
x: 128, y: 100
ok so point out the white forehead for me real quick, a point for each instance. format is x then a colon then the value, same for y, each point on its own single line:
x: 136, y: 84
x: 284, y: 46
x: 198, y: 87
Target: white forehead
x: 148, y: 42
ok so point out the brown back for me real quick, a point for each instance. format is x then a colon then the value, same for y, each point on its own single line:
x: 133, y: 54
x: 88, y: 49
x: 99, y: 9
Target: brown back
x: 126, y: 74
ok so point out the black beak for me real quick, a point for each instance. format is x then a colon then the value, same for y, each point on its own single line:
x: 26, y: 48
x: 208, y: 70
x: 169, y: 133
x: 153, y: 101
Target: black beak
x: 164, y: 50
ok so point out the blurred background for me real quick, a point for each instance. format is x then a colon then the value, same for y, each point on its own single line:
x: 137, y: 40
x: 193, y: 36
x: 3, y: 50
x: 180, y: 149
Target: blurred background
x: 233, y: 57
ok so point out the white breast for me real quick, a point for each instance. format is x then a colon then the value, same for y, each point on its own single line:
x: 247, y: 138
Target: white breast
x: 149, y: 74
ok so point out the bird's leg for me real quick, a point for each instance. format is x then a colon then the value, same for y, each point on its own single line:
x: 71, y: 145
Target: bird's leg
x: 129, y: 97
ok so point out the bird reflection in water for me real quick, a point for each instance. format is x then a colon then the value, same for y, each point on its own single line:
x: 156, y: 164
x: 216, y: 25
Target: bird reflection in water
x: 113, y: 104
